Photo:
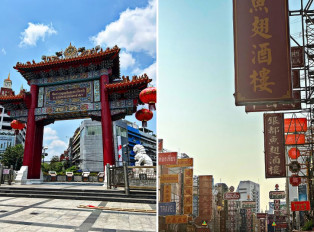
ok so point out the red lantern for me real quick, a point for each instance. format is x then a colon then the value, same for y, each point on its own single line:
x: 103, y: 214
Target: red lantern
x: 295, y: 180
x: 294, y: 153
x: 148, y: 96
x: 17, y: 125
x: 144, y: 115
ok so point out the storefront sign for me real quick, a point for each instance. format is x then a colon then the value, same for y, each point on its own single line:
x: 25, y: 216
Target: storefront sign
x: 167, y: 158
x: 262, y: 51
x: 188, y: 162
x: 261, y: 215
x: 231, y: 196
x: 168, y: 208
x: 177, y: 219
x: 169, y: 178
x: 248, y: 205
x: 295, y: 104
x: 275, y: 162
x: 300, y: 206
x: 277, y: 195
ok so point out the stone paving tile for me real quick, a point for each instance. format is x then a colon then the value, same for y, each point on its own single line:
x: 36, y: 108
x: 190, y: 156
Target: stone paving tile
x: 63, y: 215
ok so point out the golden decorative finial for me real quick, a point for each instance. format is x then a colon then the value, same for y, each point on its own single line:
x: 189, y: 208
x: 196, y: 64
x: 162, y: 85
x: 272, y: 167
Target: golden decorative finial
x: 9, y: 76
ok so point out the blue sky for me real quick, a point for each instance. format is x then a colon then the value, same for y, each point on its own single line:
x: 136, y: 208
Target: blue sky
x: 197, y: 113
x: 30, y: 29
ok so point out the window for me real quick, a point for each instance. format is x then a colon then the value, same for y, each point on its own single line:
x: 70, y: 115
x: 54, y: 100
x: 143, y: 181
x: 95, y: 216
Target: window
x: 94, y: 130
x: 121, y: 131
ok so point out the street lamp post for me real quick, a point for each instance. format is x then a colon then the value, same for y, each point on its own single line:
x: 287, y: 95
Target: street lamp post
x: 44, y: 153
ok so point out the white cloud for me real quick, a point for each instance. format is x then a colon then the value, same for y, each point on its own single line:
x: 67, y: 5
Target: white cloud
x: 3, y: 51
x: 50, y: 134
x: 34, y: 32
x: 55, y: 145
x: 135, y: 30
x: 150, y: 71
x: 126, y: 60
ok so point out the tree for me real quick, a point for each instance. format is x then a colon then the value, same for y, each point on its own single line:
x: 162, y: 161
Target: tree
x: 54, y: 158
x: 13, y: 156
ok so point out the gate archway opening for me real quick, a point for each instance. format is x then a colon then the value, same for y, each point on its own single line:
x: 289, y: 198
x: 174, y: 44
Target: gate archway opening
x: 76, y: 83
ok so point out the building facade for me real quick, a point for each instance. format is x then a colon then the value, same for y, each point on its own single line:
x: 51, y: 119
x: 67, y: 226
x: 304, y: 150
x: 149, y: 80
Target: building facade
x: 8, y: 137
x: 250, y: 191
x: 85, y: 146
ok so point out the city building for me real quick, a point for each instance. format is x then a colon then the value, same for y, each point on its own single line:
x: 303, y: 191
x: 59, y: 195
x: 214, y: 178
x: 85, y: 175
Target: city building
x: 250, y: 191
x: 85, y: 146
x: 8, y: 137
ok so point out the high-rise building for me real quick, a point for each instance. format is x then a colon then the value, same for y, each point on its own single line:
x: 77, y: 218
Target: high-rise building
x: 249, y: 191
x: 85, y: 146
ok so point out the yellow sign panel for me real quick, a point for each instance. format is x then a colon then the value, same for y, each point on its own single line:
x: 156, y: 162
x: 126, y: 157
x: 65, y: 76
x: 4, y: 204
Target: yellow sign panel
x: 176, y: 219
x: 169, y: 178
x: 167, y: 193
x: 188, y: 182
x: 188, y: 190
x: 188, y: 162
x: 188, y: 200
x: 188, y: 173
x: 188, y: 209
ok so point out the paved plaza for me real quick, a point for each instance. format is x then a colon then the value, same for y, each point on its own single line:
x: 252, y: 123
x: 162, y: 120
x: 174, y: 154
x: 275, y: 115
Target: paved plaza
x: 39, y: 214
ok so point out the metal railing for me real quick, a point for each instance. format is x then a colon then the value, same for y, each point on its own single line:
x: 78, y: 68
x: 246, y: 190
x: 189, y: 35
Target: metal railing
x: 131, y: 177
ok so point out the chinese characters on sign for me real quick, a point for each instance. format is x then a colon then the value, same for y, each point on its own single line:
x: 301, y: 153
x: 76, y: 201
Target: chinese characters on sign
x: 177, y: 219
x: 167, y: 158
x: 295, y: 104
x: 167, y: 193
x: 188, y: 191
x: 297, y: 57
x: 169, y: 178
x: 275, y: 162
x: 262, y: 51
x: 300, y: 205
x: 277, y: 194
x: 188, y: 162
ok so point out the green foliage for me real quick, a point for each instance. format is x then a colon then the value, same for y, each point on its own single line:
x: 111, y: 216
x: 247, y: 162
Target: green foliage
x: 56, y: 166
x: 72, y: 169
x: 45, y: 167
x: 308, y: 226
x: 54, y: 159
x: 13, y: 156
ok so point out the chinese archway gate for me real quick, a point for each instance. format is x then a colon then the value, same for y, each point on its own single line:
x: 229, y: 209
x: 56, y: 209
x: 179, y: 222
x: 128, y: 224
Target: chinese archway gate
x: 76, y: 83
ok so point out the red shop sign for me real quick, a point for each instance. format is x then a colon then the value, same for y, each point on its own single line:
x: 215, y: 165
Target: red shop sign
x: 300, y: 206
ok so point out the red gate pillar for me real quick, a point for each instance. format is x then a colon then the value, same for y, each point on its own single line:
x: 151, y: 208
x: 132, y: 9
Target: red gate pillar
x: 106, y: 123
x: 34, y: 172
x: 30, y: 132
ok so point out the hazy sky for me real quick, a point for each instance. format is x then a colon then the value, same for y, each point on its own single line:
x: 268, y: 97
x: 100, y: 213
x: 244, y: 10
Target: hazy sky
x: 30, y: 29
x: 197, y: 114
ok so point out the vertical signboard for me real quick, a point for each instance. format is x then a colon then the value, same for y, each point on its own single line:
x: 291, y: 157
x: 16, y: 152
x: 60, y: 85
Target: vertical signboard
x: 188, y: 191
x: 205, y: 199
x: 160, y: 145
x: 297, y: 57
x: 275, y: 163
x: 167, y: 193
x: 262, y: 51
x: 302, y: 192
